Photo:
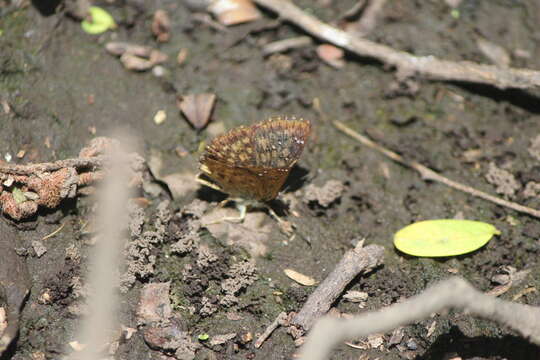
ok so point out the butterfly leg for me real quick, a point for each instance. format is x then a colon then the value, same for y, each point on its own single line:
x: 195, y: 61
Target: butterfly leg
x: 242, y: 208
x: 286, y: 226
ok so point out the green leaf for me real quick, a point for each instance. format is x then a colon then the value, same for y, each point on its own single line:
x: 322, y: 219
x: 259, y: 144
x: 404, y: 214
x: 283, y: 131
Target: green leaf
x: 101, y: 21
x: 203, y: 337
x: 446, y: 237
x: 18, y: 195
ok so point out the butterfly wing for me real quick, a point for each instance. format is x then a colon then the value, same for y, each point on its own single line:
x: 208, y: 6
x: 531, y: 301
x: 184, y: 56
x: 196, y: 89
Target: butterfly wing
x: 253, y: 162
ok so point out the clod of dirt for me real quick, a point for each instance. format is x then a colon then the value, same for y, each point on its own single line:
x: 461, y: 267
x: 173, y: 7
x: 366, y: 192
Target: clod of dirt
x: 240, y: 276
x: 252, y: 234
x: 154, y: 304
x: 205, y: 257
x: 171, y: 338
x: 140, y: 261
x: 163, y: 332
x: 184, y: 229
x: 532, y: 189
x: 39, y: 248
x: 325, y: 195
x: 506, y: 182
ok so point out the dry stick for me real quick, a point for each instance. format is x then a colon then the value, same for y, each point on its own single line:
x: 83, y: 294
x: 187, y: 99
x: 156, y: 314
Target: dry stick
x: 368, y: 21
x: 428, y: 174
x: 454, y: 293
x: 282, y: 316
x: 286, y: 44
x: 406, y: 63
x: 356, y: 261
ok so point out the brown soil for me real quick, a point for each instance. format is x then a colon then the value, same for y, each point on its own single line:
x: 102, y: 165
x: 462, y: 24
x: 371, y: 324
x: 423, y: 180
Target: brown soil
x: 60, y: 84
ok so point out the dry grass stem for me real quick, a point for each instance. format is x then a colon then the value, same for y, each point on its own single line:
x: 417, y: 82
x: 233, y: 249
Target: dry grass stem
x: 428, y: 174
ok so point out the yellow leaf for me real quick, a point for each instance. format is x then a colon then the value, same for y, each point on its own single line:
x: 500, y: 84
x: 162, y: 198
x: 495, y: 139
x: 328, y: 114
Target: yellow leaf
x: 445, y: 237
x: 101, y: 21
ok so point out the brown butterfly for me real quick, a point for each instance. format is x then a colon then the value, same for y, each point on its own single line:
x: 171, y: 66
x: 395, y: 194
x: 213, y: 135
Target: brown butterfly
x: 252, y: 162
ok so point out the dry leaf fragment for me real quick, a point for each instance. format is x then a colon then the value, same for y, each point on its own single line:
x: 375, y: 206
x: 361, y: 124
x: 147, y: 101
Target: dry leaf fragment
x: 160, y: 117
x: 182, y: 56
x: 119, y: 48
x: 136, y: 57
x: 232, y: 12
x: 134, y: 62
x: 495, y: 53
x: 197, y: 108
x: 331, y: 55
x: 161, y: 26
x: 299, y: 278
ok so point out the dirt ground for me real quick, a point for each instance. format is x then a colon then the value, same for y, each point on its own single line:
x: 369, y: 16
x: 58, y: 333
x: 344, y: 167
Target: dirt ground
x: 63, y: 89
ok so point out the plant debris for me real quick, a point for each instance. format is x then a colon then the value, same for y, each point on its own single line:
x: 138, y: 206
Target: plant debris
x: 233, y: 12
x: 197, y: 108
x: 136, y: 57
x: 299, y: 278
x: 161, y: 26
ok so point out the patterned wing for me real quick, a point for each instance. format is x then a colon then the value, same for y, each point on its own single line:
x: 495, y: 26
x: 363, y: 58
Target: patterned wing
x: 253, y: 162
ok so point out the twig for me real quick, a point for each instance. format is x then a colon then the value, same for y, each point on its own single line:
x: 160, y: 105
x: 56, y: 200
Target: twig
x: 428, y: 174
x: 286, y: 44
x: 54, y: 232
x: 282, y: 316
x: 368, y: 21
x: 406, y: 63
x: 356, y: 261
x: 454, y: 293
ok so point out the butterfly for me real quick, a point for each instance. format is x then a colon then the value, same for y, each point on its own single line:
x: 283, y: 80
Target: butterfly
x: 252, y: 162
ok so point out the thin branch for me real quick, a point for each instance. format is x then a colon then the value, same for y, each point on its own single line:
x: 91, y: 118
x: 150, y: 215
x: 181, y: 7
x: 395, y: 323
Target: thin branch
x: 428, y: 174
x: 368, y: 21
x: 286, y: 44
x: 356, y: 261
x: 282, y: 316
x: 454, y: 293
x: 406, y: 63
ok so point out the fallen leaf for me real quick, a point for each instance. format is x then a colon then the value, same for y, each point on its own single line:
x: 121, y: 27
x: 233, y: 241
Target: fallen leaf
x: 99, y: 21
x: 134, y: 62
x: 232, y: 12
x: 494, y: 52
x: 331, y: 55
x: 445, y: 237
x: 161, y: 26
x: 197, y: 108
x: 299, y: 278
